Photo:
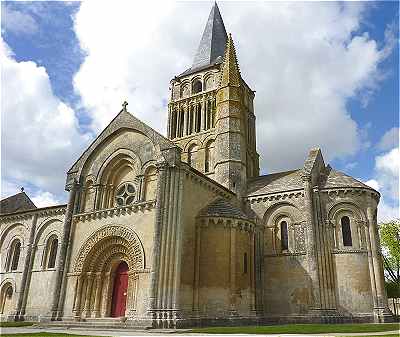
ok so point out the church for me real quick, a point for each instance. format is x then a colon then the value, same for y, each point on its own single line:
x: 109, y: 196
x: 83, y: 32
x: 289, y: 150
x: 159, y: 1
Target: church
x: 181, y: 230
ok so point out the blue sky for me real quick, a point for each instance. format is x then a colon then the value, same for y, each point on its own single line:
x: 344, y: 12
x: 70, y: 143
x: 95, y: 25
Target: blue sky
x: 93, y: 57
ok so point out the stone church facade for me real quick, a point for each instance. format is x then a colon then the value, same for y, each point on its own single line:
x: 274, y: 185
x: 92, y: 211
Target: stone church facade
x: 182, y: 230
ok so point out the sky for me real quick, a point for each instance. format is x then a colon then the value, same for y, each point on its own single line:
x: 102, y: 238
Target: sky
x: 326, y: 75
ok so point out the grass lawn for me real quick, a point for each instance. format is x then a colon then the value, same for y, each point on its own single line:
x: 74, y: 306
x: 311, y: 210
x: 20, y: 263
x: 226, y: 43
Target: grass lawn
x: 299, y: 329
x: 15, y: 324
x: 43, y: 334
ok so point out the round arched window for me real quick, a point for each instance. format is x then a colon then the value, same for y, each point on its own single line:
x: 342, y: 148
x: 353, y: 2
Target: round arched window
x: 9, y: 292
x: 126, y: 194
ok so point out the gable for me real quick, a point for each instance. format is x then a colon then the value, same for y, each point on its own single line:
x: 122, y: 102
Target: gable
x: 125, y: 131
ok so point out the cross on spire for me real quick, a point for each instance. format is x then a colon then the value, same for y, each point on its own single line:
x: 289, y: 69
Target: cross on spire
x: 124, y: 105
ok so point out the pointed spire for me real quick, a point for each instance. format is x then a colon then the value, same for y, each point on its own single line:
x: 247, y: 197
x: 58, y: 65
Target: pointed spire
x: 230, y: 74
x: 213, y: 41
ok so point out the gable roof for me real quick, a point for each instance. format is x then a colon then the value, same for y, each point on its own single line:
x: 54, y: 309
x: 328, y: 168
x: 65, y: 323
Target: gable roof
x: 122, y: 121
x: 16, y: 203
x: 222, y: 208
x: 339, y: 179
x: 275, y: 182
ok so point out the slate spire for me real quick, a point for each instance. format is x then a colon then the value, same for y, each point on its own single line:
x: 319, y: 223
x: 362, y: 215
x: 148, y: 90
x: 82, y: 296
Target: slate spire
x: 230, y: 74
x: 213, y: 41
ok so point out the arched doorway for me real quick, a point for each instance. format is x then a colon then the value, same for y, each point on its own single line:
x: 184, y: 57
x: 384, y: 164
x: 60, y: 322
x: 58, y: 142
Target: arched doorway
x: 107, y: 268
x: 120, y: 290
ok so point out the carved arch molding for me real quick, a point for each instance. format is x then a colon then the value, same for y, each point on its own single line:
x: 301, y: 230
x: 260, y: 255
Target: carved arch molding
x: 107, y: 244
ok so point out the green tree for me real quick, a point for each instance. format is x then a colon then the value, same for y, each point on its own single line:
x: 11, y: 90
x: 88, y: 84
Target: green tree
x: 390, y: 241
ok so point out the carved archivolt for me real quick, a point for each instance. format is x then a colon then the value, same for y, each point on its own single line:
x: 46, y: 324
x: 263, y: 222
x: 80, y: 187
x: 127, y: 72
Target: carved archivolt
x: 109, y: 242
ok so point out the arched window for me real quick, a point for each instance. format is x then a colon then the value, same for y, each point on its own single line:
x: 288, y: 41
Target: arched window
x: 197, y: 87
x: 209, y: 84
x: 6, y: 295
x: 209, y: 160
x: 192, y: 155
x: 245, y: 263
x: 185, y: 90
x: 346, y: 231
x: 150, y: 183
x: 52, y: 253
x: 13, y: 256
x: 284, y: 235
x: 198, y: 118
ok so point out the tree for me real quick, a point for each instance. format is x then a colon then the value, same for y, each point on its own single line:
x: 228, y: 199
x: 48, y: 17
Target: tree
x: 390, y: 242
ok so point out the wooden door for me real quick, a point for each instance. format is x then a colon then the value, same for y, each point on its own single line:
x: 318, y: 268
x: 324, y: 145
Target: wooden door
x: 120, y: 291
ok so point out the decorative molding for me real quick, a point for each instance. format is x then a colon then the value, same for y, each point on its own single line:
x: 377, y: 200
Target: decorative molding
x: 276, y: 196
x: 286, y: 254
x: 240, y: 224
x: 353, y: 191
x: 116, y: 211
x: 48, y: 211
x: 114, y: 237
x: 349, y: 251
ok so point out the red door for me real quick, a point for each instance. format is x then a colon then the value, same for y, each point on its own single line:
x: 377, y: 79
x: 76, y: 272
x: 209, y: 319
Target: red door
x: 120, y: 291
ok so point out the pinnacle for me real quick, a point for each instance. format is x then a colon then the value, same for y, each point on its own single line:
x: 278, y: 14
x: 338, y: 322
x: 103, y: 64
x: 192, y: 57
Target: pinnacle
x: 230, y: 68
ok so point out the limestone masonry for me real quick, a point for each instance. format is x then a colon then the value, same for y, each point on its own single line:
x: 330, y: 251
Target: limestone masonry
x: 183, y: 231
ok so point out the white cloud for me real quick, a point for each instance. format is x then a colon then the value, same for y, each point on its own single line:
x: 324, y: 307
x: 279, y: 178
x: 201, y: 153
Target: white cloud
x: 40, y: 137
x: 44, y: 199
x: 387, y: 167
x: 386, y: 181
x: 372, y: 183
x: 389, y: 140
x: 305, y: 60
x: 17, y: 22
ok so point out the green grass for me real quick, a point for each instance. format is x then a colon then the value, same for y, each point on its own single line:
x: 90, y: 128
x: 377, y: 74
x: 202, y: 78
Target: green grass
x: 15, y: 324
x: 44, y: 334
x: 298, y: 329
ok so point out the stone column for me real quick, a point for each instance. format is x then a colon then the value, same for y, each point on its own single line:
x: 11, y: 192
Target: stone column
x: 196, y: 282
x: 27, y: 272
x: 88, y: 297
x: 233, y: 227
x: 185, y: 120
x: 141, y: 192
x: 132, y: 292
x: 169, y: 121
x: 106, y: 289
x: 159, y: 218
x: 97, y: 298
x: 203, y: 113
x: 377, y: 260
x: 252, y: 271
x: 311, y: 240
x: 371, y: 265
x: 59, y: 289
x: 78, y: 297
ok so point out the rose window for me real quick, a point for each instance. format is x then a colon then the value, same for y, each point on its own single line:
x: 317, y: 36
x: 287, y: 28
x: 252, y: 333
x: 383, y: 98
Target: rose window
x: 126, y: 194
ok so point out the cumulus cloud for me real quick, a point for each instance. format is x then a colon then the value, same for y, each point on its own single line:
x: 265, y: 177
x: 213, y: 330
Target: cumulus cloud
x: 17, y: 22
x: 386, y: 177
x: 305, y: 60
x: 40, y: 137
x: 389, y: 140
x: 44, y: 199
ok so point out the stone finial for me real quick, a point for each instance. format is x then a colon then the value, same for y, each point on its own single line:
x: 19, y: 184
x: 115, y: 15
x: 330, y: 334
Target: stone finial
x: 124, y: 105
x: 22, y: 189
x: 230, y: 74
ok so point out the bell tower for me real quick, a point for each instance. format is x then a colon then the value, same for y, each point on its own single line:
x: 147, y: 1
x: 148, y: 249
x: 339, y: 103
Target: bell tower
x: 210, y: 113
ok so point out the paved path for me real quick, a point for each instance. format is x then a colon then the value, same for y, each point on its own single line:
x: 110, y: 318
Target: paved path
x: 155, y: 332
